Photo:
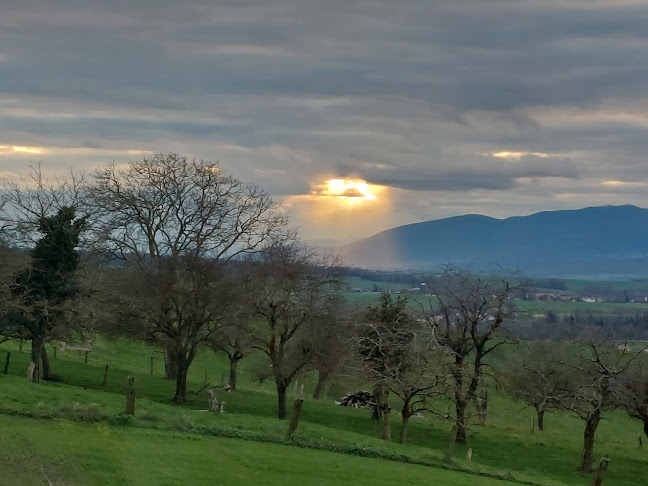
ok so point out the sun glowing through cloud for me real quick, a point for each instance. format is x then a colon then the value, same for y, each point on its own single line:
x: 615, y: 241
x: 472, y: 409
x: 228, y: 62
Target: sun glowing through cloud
x: 341, y: 209
x: 345, y: 188
x: 519, y: 155
x: 20, y: 149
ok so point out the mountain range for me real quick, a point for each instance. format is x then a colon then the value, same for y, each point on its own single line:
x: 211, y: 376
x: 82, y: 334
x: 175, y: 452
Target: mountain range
x: 603, y: 240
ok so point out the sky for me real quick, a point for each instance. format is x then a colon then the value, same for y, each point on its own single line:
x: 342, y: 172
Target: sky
x: 416, y: 109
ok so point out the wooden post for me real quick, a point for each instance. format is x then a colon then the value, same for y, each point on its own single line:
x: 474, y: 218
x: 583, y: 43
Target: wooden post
x: 6, y: 368
x: 30, y: 371
x: 600, y: 472
x: 86, y: 357
x: 294, y: 421
x: 55, y: 348
x: 469, y: 455
x: 20, y: 346
x: 212, y: 400
x: 105, y: 379
x: 151, y: 365
x: 130, y: 396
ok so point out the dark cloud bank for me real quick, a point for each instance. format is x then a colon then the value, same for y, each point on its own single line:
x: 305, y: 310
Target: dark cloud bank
x: 415, y: 95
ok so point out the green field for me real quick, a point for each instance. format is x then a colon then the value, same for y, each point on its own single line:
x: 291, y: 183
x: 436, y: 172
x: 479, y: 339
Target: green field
x: 103, y: 455
x: 361, y: 283
x: 537, y: 307
x: 72, y: 433
x: 363, y: 299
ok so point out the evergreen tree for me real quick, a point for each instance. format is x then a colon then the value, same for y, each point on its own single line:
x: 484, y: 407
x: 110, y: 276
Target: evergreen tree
x: 50, y: 281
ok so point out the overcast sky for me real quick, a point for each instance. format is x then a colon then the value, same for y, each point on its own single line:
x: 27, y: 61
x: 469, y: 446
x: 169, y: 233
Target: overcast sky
x: 498, y: 107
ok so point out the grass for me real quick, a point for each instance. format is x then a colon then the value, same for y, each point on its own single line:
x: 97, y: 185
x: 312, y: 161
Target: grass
x: 504, y: 445
x: 61, y: 452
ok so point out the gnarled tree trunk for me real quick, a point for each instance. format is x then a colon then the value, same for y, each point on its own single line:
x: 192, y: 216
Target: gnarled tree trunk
x: 591, y: 425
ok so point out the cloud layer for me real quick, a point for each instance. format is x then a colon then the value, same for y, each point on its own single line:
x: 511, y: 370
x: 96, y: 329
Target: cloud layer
x: 422, y: 97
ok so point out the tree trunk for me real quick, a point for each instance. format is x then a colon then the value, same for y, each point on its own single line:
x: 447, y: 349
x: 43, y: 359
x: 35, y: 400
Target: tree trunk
x: 405, y: 414
x: 540, y: 412
x: 451, y: 443
x: 322, y: 381
x: 386, y: 412
x: 232, y: 374
x: 645, y: 426
x: 170, y: 366
x: 36, y: 351
x: 378, y: 399
x: 282, y: 389
x: 294, y: 421
x: 181, y: 384
x: 483, y: 408
x: 461, y: 420
x: 588, y: 441
x: 47, y: 370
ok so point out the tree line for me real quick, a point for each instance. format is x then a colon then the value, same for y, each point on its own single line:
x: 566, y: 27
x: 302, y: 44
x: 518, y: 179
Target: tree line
x: 181, y: 254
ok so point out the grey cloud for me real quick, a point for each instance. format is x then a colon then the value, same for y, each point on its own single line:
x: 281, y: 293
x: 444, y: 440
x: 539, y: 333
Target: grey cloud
x: 488, y: 173
x: 403, y: 94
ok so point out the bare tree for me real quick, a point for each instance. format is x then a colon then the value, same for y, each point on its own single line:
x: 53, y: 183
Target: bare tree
x: 535, y: 376
x: 234, y: 341
x: 176, y: 222
x: 11, y: 263
x: 595, y: 371
x: 401, y: 354
x: 467, y: 313
x: 25, y: 203
x: 633, y: 396
x: 332, y: 338
x: 293, y: 293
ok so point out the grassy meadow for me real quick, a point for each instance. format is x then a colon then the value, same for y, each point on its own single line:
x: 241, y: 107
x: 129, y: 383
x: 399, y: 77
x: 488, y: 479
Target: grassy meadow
x: 72, y: 432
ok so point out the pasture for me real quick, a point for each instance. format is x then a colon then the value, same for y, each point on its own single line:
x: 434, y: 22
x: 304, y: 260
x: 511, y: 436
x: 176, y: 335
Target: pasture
x: 72, y: 432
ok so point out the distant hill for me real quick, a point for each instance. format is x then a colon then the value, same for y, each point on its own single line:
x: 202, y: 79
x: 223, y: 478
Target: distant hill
x: 590, y: 241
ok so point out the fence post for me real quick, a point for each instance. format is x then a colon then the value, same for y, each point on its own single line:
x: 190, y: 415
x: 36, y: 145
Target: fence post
x: 130, y: 396
x: 6, y: 368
